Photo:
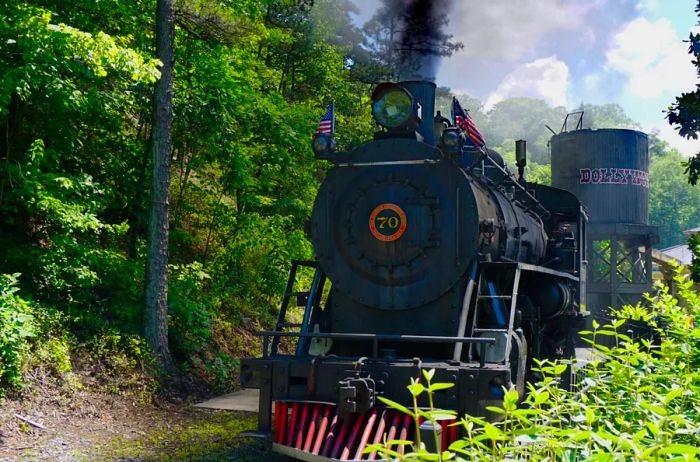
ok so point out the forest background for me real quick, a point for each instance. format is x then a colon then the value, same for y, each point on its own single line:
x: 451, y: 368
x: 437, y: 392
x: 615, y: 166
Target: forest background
x: 252, y: 79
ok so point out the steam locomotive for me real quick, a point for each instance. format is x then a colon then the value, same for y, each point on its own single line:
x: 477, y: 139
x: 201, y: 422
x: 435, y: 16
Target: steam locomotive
x: 436, y: 257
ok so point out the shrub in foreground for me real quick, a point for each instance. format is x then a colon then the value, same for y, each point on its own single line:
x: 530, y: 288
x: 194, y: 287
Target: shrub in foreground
x: 638, y: 400
x: 16, y: 328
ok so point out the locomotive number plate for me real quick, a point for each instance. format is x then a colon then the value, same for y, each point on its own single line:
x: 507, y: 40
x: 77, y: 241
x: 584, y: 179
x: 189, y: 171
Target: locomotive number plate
x: 387, y: 222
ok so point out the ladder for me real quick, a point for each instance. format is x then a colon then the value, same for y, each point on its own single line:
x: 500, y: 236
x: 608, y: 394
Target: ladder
x: 310, y: 299
x: 489, y: 297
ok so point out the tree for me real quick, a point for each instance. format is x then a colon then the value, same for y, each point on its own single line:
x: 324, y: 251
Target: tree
x: 685, y: 111
x: 606, y: 116
x: 523, y: 118
x: 70, y: 105
x: 673, y: 203
x: 156, y: 296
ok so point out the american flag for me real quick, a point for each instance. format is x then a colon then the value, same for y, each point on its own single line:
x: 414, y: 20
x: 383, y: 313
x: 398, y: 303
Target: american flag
x: 465, y: 122
x: 327, y: 123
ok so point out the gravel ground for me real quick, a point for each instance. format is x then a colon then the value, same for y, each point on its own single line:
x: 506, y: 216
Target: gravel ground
x: 101, y: 427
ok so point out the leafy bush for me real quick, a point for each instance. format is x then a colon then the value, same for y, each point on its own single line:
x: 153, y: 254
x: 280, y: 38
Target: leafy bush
x: 637, y: 400
x: 190, y: 311
x: 16, y: 328
x: 694, y: 245
x: 119, y: 363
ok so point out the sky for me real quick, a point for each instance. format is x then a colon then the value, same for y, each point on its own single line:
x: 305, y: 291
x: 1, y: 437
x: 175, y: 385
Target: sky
x: 568, y: 52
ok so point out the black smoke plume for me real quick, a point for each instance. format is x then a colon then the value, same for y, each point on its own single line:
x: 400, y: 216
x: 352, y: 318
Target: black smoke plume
x: 424, y: 41
x: 408, y: 37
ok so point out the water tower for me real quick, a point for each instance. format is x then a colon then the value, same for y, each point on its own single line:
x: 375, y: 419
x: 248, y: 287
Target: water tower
x: 608, y: 170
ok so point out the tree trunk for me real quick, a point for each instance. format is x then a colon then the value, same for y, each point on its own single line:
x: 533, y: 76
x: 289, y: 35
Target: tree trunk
x: 156, y: 296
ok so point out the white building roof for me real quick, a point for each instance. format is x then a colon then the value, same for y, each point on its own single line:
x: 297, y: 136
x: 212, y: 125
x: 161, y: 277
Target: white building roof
x: 681, y: 253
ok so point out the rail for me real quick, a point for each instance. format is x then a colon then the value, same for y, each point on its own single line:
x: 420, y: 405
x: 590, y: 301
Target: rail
x: 529, y: 201
x: 376, y: 338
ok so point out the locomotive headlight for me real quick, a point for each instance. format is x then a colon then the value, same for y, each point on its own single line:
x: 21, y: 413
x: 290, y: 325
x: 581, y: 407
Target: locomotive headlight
x: 451, y: 137
x: 323, y: 144
x: 320, y: 143
x: 393, y: 106
x: 452, y: 140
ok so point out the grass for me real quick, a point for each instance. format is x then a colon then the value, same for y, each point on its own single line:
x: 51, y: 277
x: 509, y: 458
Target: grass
x: 211, y: 437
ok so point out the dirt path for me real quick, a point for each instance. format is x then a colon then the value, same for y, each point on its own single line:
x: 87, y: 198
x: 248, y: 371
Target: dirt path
x: 100, y: 427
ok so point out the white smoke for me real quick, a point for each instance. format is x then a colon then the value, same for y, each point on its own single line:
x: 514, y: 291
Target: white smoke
x: 510, y: 30
x: 545, y: 78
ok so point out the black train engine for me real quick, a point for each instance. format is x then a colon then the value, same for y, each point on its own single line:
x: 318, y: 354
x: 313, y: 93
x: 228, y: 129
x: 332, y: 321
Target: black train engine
x: 437, y: 257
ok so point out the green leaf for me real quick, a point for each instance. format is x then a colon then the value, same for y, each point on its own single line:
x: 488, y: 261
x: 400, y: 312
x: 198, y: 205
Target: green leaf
x: 416, y: 388
x: 651, y: 426
x: 395, y: 405
x: 440, y: 386
x: 582, y: 435
x: 654, y: 408
x: 541, y: 397
x: 510, y: 399
x: 382, y: 450
x: 438, y: 414
x: 678, y: 448
x: 608, y: 333
x: 672, y: 394
x: 493, y: 433
x: 399, y: 442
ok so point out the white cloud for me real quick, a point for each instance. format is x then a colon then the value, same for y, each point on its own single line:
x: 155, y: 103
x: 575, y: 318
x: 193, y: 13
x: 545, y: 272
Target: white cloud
x: 508, y: 30
x: 647, y: 6
x: 652, y: 57
x: 666, y: 132
x: 545, y: 78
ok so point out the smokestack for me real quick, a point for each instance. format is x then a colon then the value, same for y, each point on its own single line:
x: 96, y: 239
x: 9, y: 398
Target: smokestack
x: 424, y: 92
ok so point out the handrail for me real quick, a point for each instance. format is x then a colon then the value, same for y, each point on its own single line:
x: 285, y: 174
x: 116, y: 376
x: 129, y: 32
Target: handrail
x: 543, y: 212
x: 376, y: 338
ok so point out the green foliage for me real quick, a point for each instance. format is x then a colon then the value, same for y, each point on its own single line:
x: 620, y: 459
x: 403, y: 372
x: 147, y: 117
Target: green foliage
x: 523, y: 118
x: 66, y: 97
x: 637, y: 400
x: 190, y: 327
x: 606, y: 116
x: 673, y: 203
x: 685, y: 111
x: 121, y: 364
x: 534, y: 172
x: 208, y: 437
x: 528, y: 119
x: 16, y: 329
x: 54, y: 59
x: 252, y: 79
x: 694, y: 245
